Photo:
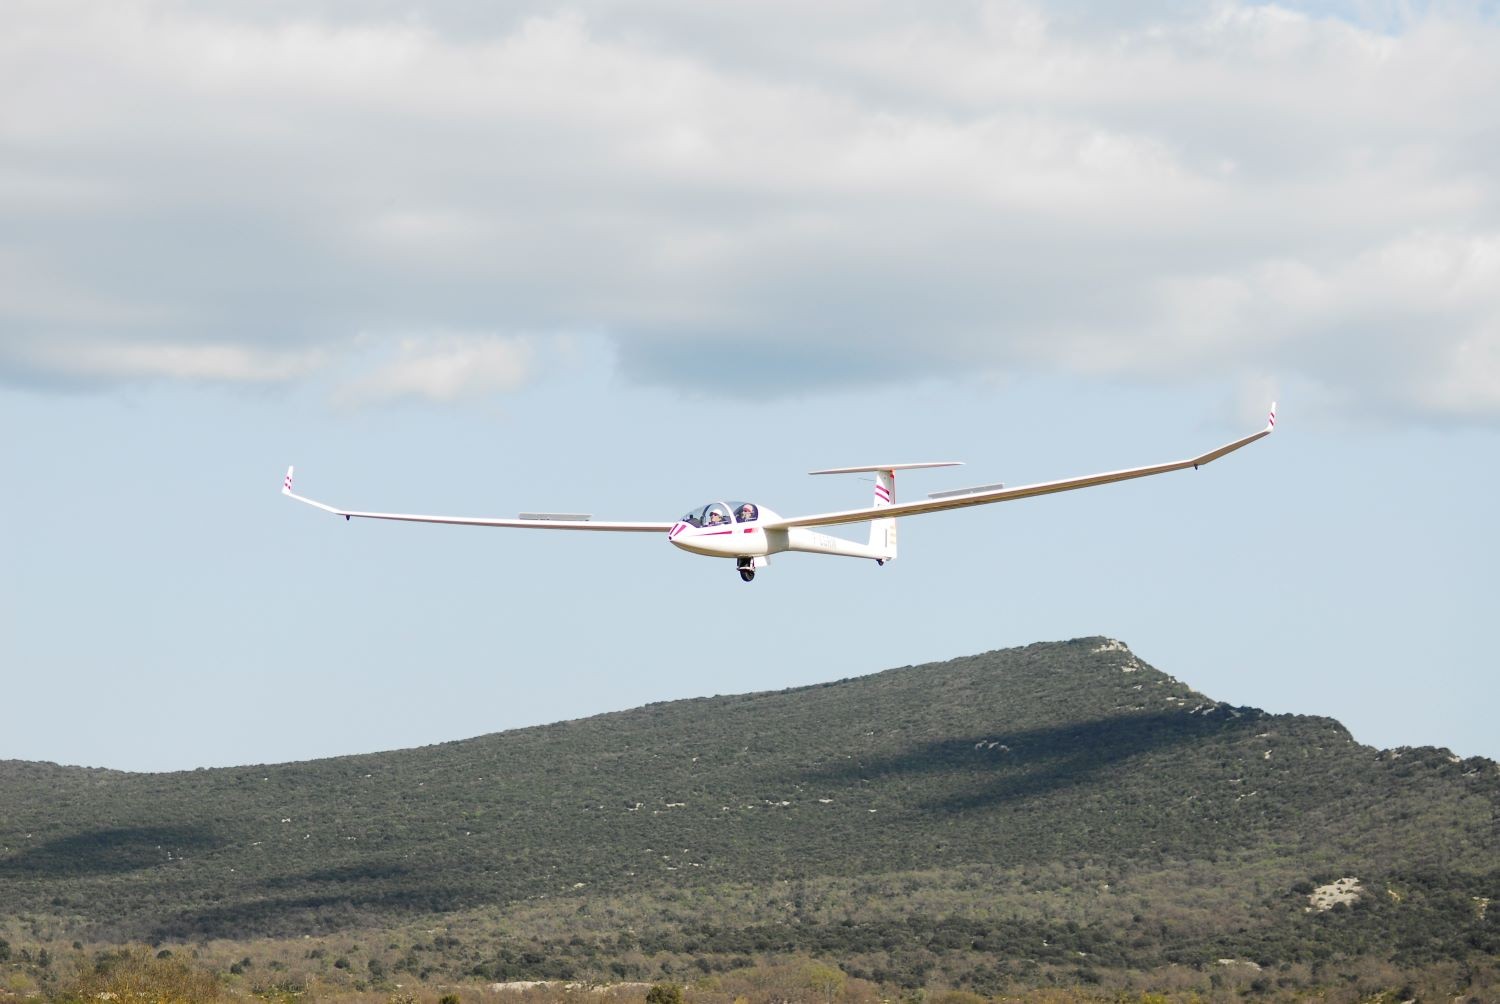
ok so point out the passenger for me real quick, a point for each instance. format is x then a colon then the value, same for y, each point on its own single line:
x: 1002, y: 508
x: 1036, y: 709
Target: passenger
x: 747, y: 513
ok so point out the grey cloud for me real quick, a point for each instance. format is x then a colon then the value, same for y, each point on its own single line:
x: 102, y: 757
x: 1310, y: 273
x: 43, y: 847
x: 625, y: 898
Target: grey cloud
x: 741, y: 197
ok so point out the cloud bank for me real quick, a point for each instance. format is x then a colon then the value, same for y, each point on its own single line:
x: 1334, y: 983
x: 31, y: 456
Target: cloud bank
x: 752, y: 200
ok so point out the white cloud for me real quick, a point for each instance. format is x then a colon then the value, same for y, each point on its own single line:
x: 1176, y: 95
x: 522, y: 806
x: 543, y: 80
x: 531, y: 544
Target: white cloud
x: 859, y: 192
x: 444, y: 368
x: 87, y: 361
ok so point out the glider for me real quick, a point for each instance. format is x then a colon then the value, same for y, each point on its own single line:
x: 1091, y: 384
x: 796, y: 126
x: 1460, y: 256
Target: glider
x: 750, y: 533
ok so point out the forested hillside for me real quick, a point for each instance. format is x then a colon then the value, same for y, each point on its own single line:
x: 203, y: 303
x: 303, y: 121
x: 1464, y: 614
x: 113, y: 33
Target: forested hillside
x: 1055, y: 807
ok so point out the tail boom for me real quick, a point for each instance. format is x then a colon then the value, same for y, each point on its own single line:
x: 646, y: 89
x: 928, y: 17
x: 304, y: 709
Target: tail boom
x: 799, y: 538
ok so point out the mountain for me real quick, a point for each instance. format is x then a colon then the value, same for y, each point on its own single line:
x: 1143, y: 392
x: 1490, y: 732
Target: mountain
x: 1058, y: 805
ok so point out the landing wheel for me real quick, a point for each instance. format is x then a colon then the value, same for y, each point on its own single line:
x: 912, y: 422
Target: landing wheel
x: 746, y: 567
x: 747, y: 574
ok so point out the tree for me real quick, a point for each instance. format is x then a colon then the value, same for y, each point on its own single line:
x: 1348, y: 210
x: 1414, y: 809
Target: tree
x: 824, y: 980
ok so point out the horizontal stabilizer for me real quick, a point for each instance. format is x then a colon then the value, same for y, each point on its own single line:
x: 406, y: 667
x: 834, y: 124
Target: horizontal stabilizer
x: 890, y: 467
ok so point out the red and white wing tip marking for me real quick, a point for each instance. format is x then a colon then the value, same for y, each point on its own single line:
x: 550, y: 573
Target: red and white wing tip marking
x: 286, y: 483
x: 1271, y: 422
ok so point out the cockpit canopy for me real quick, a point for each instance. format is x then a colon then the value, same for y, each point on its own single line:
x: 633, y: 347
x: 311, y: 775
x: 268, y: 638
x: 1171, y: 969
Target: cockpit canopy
x: 722, y: 514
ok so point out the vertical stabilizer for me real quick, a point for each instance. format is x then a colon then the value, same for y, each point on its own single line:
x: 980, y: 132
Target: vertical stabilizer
x: 883, y: 531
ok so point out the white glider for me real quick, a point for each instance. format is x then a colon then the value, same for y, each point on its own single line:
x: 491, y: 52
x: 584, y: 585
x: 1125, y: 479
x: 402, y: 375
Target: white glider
x: 750, y: 533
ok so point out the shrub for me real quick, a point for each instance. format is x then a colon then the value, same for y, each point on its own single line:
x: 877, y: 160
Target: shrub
x: 134, y: 976
x: 664, y: 993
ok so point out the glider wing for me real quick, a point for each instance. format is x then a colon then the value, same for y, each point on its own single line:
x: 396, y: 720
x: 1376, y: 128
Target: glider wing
x: 534, y: 521
x: 984, y: 496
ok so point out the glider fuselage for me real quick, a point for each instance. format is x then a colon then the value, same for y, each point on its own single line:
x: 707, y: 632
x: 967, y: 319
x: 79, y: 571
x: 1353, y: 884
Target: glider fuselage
x: 747, y: 530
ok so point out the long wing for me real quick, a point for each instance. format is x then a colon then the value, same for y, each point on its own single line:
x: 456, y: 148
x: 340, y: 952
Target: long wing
x: 534, y: 521
x: 983, y: 496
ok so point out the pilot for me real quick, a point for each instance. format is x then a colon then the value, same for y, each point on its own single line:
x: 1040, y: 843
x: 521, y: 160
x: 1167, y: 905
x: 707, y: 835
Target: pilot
x: 715, y: 518
x: 747, y: 512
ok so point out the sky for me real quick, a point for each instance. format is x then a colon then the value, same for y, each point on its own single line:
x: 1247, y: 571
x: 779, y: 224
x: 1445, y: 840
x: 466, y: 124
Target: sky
x: 626, y: 259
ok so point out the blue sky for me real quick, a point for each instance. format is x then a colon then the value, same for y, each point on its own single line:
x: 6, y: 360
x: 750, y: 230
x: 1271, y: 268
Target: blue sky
x: 630, y: 260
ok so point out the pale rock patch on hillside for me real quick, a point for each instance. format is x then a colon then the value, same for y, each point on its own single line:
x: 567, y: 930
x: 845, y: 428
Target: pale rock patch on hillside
x: 1240, y: 962
x: 1131, y: 663
x: 1326, y: 897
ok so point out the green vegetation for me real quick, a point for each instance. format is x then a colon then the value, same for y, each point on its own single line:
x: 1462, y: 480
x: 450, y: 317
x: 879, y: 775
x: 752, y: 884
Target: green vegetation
x: 1060, y: 815
x: 664, y: 993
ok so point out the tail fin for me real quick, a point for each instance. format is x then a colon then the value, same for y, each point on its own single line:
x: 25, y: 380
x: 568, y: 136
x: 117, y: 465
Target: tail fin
x: 883, y: 531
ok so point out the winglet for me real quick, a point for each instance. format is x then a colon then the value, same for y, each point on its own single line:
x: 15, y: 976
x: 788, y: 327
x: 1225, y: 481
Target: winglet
x: 1271, y: 421
x: 286, y: 489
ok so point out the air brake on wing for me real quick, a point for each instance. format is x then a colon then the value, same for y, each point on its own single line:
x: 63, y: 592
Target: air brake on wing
x: 956, y: 492
x: 567, y: 517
